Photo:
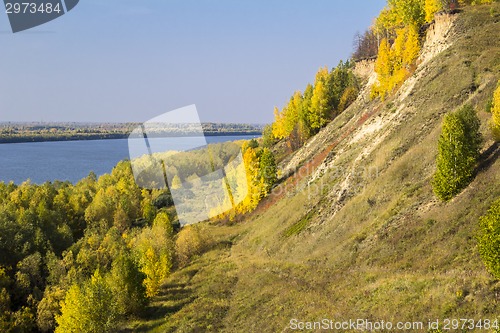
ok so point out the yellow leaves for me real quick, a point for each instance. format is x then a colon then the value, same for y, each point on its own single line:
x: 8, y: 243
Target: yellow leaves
x: 189, y: 243
x: 69, y: 320
x: 176, y: 183
x: 251, y: 162
x: 279, y: 124
x: 154, y: 249
x: 317, y: 104
x: 408, y: 12
x: 286, y: 120
x: 412, y: 45
x: 260, y: 176
x: 394, y: 63
x: 320, y: 110
x: 88, y: 308
x: 480, y: 2
x: 398, y: 49
x: 322, y: 75
x: 292, y: 113
x: 431, y: 7
x: 495, y: 113
x: 384, y: 70
x: 150, y: 254
x: 155, y: 265
x: 156, y: 268
x: 387, y: 20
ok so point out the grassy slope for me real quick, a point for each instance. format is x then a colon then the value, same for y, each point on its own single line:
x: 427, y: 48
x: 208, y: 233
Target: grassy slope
x: 373, y: 243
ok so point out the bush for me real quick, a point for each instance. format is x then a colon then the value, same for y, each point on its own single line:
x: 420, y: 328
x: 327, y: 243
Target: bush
x: 190, y: 242
x: 458, y: 150
x: 489, y: 239
x: 495, y: 113
x: 348, y: 97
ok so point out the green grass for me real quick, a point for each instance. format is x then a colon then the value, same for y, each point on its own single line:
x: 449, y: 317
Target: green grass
x: 300, y: 225
x: 194, y: 298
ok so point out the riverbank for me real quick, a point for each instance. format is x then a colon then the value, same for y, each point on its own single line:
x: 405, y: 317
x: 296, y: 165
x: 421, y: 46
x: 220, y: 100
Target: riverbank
x: 50, y: 132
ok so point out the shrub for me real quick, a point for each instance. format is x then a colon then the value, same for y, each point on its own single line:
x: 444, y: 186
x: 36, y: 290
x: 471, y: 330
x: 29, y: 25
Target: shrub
x: 190, y: 242
x: 495, y: 113
x: 458, y: 150
x: 489, y: 239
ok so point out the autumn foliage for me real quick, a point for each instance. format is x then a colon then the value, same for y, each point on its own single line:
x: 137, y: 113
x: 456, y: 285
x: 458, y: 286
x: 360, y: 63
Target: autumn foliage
x: 495, y: 113
x: 306, y: 113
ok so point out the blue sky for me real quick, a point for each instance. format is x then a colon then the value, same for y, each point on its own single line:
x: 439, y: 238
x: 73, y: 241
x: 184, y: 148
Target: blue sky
x: 124, y: 60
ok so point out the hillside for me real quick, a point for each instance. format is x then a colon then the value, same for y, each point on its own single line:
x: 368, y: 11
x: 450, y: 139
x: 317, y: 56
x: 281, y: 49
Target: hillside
x: 356, y: 231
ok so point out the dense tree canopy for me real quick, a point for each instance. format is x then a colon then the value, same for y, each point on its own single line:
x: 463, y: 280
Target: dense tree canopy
x: 78, y: 258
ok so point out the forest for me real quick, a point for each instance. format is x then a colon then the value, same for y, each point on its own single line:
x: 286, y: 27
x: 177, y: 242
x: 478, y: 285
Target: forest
x: 79, y: 258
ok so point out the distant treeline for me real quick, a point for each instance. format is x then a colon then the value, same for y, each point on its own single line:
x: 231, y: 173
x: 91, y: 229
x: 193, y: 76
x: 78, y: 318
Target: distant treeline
x: 40, y: 132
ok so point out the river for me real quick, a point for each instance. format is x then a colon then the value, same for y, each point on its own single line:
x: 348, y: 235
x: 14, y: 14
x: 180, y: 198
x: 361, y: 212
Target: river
x: 71, y: 160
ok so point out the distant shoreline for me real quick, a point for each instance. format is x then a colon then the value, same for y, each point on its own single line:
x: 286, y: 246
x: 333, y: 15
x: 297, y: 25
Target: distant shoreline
x: 108, y: 136
x: 51, y: 132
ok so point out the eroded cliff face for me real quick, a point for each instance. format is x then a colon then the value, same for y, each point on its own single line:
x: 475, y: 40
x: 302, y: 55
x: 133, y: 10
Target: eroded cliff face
x: 364, y: 68
x: 437, y: 39
x: 438, y: 36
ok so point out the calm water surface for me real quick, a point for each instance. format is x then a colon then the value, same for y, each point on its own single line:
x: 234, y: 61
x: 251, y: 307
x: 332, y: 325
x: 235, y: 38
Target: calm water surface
x: 69, y: 160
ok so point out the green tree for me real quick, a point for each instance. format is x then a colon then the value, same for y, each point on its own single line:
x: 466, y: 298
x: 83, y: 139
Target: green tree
x: 29, y: 278
x: 348, y: 97
x: 268, y: 170
x: 268, y: 138
x: 127, y: 284
x: 458, y: 149
x: 339, y: 80
x: 489, y: 239
x: 48, y: 308
x: 304, y: 125
x: 147, y: 206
